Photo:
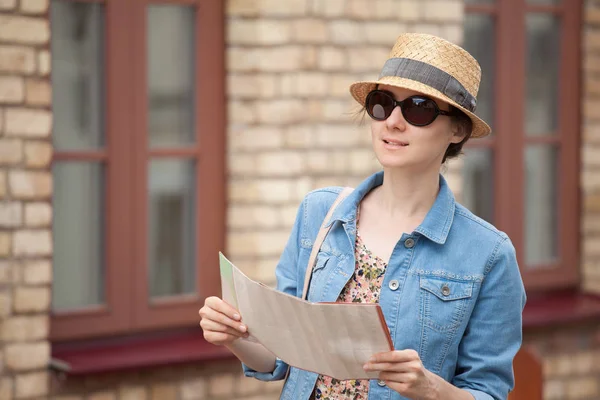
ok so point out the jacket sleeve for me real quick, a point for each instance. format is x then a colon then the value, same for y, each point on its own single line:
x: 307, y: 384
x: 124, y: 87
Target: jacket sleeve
x: 494, y: 333
x: 286, y: 274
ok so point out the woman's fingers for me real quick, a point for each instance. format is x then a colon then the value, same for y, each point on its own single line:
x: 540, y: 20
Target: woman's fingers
x: 217, y: 312
x: 213, y: 326
x: 221, y: 306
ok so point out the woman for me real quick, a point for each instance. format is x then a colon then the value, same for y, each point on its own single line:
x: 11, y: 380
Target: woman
x: 447, y: 282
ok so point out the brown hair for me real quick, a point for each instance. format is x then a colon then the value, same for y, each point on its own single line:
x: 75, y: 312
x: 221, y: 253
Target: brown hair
x: 464, y: 126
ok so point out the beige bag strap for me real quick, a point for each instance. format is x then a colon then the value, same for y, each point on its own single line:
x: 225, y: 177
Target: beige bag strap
x: 320, y: 237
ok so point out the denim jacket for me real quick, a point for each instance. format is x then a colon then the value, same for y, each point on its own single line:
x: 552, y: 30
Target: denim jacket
x: 452, y: 291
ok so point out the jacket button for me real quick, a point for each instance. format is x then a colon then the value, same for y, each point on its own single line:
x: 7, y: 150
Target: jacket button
x: 409, y: 243
x: 394, y: 284
x: 381, y: 383
x: 446, y: 290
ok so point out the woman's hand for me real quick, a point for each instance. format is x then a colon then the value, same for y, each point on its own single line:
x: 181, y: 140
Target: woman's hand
x: 220, y: 322
x: 403, y: 371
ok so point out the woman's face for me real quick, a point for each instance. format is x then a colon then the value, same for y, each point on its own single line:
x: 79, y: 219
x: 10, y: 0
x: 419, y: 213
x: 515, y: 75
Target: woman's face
x: 398, y: 144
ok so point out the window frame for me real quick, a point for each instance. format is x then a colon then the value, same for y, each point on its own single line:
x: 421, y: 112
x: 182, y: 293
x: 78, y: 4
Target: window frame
x: 127, y: 308
x: 509, y: 140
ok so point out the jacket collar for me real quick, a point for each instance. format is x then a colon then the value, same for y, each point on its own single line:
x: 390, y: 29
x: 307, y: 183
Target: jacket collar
x: 436, y: 224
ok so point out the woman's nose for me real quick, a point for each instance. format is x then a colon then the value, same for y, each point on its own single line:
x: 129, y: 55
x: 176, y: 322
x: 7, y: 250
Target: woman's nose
x: 396, y: 119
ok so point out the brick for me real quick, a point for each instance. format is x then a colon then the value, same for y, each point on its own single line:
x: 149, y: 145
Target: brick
x: 7, y: 5
x: 34, y: 6
x: 30, y: 184
x: 591, y: 40
x: 12, y: 90
x: 590, y: 109
x: 26, y: 122
x: 32, y: 299
x: 281, y: 163
x: 25, y: 328
x: 347, y: 32
x: 38, y: 92
x: 329, y: 8
x: 590, y: 63
x: 5, y: 304
x: 308, y: 30
x: 102, y: 396
x: 32, y: 242
x: 258, y: 32
x: 17, y: 59
x: 338, y: 135
x: 164, y: 392
x: 359, y: 9
x: 582, y: 388
x: 11, y: 151
x: 38, y: 154
x: 6, y: 383
x: 285, y: 58
x: 453, y: 33
x: 331, y: 59
x: 25, y: 30
x: 132, y: 393
x: 36, y: 272
x: 194, y: 390
x: 38, y: 214
x: 5, y: 244
x: 240, y: 112
x: 429, y: 28
x: 11, y: 214
x: 280, y: 111
x: 255, y: 138
x: 27, y: 356
x: 383, y: 33
x: 592, y: 16
x: 592, y: 203
x: 299, y: 137
x: 409, y: 11
x: 44, y: 63
x: 266, y: 7
x: 241, y: 164
x: 336, y: 110
x: 249, y: 217
x: 339, y: 86
x: 269, y: 243
x: 3, y: 184
x: 443, y: 11
x: 8, y: 273
x: 31, y: 385
x: 304, y: 84
x: 591, y: 247
x: 367, y: 59
x: 221, y: 385
x: 591, y: 156
x: 264, y: 191
x: 554, y: 390
x: 246, y: 86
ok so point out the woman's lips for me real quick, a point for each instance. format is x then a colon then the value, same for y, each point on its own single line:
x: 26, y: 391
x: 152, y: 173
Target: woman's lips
x: 394, y: 144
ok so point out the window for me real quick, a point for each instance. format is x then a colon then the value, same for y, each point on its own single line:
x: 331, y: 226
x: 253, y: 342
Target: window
x: 524, y: 177
x: 138, y: 169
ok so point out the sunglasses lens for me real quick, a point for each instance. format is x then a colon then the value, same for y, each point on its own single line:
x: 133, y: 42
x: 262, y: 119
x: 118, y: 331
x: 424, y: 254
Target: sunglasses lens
x: 419, y: 111
x: 379, y: 105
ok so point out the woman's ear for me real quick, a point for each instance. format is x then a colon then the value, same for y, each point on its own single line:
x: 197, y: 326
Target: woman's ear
x: 458, y: 131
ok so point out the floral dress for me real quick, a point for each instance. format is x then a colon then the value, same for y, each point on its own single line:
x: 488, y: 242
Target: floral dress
x: 364, y: 287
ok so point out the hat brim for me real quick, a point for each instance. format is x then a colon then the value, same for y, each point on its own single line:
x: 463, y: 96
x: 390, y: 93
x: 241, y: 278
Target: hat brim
x: 361, y: 89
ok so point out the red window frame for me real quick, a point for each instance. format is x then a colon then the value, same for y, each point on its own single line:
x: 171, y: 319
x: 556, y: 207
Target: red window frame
x: 127, y: 306
x: 509, y: 140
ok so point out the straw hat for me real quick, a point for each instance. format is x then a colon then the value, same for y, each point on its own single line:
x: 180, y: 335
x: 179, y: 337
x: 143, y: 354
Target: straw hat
x: 434, y: 67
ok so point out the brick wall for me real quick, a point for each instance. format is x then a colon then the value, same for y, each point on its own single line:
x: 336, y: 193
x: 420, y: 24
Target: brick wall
x: 293, y: 125
x: 571, y: 354
x: 590, y: 147
x: 25, y: 189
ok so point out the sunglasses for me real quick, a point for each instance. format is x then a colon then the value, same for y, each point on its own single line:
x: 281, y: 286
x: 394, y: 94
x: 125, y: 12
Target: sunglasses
x: 416, y: 110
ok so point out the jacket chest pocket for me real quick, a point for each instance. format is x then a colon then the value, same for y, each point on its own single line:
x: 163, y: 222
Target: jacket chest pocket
x: 318, y: 274
x: 444, y: 302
